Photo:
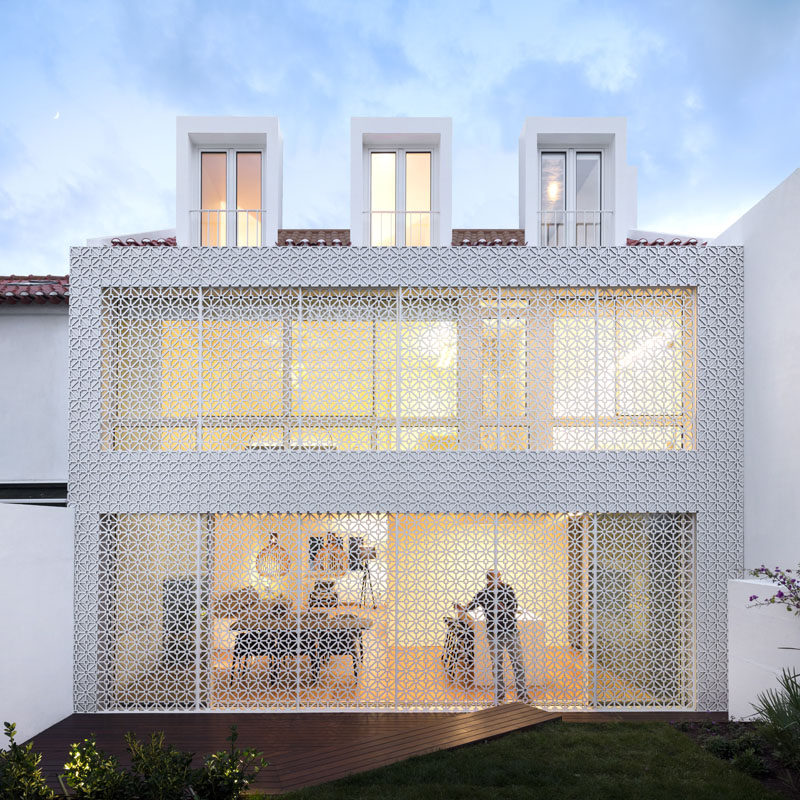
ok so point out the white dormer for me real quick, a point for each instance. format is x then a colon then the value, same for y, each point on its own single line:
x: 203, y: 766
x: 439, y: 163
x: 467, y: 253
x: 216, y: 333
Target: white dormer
x: 229, y: 181
x: 576, y: 187
x: 401, y: 181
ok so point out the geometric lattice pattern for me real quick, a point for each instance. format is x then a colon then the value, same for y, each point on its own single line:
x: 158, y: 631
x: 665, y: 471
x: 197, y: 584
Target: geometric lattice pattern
x: 383, y: 611
x: 277, y: 452
x: 391, y: 369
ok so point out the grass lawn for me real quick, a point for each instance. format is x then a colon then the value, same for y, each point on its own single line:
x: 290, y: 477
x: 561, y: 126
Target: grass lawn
x: 645, y: 761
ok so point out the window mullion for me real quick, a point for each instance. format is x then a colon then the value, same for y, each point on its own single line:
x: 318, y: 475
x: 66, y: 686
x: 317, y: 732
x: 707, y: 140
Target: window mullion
x: 400, y: 198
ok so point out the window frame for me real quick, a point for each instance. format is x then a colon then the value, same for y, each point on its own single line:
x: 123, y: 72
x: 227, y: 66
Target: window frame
x: 570, y: 154
x: 230, y: 192
x: 400, y: 152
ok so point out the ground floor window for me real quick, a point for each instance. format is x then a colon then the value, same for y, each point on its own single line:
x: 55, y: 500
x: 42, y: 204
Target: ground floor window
x: 396, y: 611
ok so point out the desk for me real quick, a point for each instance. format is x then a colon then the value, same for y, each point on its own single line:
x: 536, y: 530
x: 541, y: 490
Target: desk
x: 318, y: 634
x: 531, y: 634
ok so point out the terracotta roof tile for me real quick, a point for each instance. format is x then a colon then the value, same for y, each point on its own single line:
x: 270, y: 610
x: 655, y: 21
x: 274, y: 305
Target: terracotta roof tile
x: 316, y: 237
x: 674, y: 242
x: 130, y: 241
x: 500, y: 237
x: 39, y: 289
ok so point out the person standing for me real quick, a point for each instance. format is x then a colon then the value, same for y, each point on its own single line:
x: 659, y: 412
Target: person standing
x: 499, y: 603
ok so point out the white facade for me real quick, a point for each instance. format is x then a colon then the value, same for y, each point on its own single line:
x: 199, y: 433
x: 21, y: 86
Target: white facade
x: 34, y: 353
x: 433, y: 133
x: 607, y: 135
x: 759, y: 642
x: 36, y: 590
x: 772, y: 375
x: 195, y: 134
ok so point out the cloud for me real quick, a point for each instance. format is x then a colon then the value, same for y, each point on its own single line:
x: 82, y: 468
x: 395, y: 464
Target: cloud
x: 119, y: 73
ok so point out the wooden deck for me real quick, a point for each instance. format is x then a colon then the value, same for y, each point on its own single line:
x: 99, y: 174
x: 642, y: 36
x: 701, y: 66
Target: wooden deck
x: 310, y: 748
x: 302, y: 749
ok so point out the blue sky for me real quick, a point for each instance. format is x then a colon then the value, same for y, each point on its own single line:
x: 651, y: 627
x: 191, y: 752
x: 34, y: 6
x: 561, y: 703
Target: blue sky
x: 711, y: 91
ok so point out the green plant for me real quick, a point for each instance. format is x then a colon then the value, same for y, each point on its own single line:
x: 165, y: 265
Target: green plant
x: 719, y: 746
x: 779, y: 711
x: 227, y: 773
x: 94, y: 775
x: 750, y: 762
x: 160, y: 771
x: 20, y: 774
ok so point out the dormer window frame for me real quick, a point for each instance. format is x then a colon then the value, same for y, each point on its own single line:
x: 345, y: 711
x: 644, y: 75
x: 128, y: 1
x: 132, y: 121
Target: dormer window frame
x: 404, y: 218
x: 606, y: 135
x: 196, y: 135
x: 409, y: 135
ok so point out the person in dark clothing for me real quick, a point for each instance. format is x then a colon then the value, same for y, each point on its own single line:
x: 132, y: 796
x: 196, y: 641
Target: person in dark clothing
x: 499, y: 603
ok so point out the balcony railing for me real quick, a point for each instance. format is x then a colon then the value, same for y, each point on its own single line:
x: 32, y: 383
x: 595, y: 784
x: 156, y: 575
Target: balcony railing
x: 401, y: 228
x: 223, y: 227
x: 575, y: 228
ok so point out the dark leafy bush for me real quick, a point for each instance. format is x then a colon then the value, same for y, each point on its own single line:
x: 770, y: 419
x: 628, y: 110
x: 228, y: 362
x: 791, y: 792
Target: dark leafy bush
x: 779, y: 711
x: 719, y: 746
x: 160, y: 771
x: 94, y: 775
x: 750, y: 762
x: 227, y: 773
x: 20, y: 774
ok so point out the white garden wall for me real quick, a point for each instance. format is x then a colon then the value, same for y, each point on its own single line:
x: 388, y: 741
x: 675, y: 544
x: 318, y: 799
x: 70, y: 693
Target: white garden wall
x: 768, y: 232
x: 36, y: 582
x: 755, y: 638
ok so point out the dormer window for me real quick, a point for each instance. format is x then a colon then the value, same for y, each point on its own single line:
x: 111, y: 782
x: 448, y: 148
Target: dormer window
x: 576, y: 187
x: 234, y: 175
x: 229, y: 190
x: 400, y: 198
x: 571, y: 205
x: 400, y: 181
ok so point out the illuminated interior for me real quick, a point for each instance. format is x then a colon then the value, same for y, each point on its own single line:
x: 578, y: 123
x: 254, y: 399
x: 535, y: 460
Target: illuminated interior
x: 455, y: 369
x: 191, y: 605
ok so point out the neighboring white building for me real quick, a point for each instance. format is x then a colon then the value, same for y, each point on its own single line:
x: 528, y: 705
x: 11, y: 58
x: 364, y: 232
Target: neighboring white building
x: 285, y: 450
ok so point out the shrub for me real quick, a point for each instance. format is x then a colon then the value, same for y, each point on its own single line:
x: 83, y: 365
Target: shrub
x: 160, y: 771
x: 719, y: 746
x: 750, y: 762
x: 20, y: 774
x: 779, y: 711
x: 227, y: 773
x: 94, y: 775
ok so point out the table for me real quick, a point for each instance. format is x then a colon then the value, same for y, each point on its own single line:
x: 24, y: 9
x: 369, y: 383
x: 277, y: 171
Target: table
x: 318, y: 634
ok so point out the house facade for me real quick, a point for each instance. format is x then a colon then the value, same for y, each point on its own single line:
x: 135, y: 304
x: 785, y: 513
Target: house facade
x: 295, y: 455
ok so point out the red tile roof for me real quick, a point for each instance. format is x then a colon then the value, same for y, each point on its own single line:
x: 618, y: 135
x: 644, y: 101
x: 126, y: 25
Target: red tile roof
x: 500, y: 237
x: 674, y: 242
x: 315, y: 237
x: 30, y: 289
x: 130, y: 241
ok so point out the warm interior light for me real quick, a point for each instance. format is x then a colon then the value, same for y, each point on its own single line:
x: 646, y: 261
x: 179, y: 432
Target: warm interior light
x: 553, y: 191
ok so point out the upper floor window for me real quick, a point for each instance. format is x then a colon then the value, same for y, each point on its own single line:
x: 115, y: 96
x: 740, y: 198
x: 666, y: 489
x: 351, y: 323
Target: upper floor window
x: 571, y: 201
x: 400, y: 198
x: 231, y: 206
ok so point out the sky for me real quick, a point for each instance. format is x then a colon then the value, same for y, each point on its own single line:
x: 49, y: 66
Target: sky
x: 711, y: 92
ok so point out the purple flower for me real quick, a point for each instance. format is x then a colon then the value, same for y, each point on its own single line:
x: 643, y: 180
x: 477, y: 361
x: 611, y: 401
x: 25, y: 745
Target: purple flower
x: 779, y: 594
x: 753, y: 597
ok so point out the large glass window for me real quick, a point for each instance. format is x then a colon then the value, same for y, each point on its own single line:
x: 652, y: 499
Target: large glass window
x: 224, y: 174
x: 571, y: 209
x: 356, y: 611
x: 400, y: 199
x: 417, y: 369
